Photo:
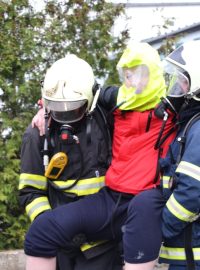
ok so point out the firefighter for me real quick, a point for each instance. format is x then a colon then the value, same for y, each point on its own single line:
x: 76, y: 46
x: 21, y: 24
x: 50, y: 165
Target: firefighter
x: 71, y: 159
x: 181, y: 167
x: 129, y: 207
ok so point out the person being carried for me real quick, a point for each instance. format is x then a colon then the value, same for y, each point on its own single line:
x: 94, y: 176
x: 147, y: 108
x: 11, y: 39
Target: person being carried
x: 129, y: 207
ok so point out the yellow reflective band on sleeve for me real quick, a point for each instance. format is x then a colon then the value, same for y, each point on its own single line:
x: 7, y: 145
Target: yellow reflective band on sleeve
x: 189, y: 169
x: 177, y: 253
x: 32, y: 180
x: 87, y: 246
x: 84, y: 186
x: 179, y: 211
x: 166, y: 181
x: 37, y: 206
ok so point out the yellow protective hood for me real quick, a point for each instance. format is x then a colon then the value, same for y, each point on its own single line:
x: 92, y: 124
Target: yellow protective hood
x: 142, y: 54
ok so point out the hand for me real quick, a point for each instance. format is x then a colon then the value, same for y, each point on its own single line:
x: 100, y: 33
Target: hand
x: 39, y: 121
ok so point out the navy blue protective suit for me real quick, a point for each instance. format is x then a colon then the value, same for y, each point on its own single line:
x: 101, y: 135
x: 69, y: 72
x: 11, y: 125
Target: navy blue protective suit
x: 84, y: 174
x: 181, y: 188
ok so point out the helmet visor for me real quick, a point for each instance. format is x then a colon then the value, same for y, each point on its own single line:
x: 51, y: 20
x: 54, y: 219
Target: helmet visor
x: 177, y: 82
x: 67, y: 111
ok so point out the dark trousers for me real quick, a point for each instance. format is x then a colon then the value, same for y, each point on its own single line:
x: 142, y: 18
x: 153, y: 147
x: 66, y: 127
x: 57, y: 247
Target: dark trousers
x: 105, y: 215
x: 110, y: 260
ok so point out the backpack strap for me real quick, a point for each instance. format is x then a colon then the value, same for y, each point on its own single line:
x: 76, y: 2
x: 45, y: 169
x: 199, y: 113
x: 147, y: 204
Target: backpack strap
x: 188, y: 247
x: 106, y: 126
x: 188, y: 230
x: 182, y: 139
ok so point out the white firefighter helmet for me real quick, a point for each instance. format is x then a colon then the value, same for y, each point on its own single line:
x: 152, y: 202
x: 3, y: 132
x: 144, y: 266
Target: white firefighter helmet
x: 182, y: 71
x: 67, y: 89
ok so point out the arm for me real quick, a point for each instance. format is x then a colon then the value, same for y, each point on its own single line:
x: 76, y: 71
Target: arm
x: 108, y: 97
x: 183, y: 205
x: 32, y: 182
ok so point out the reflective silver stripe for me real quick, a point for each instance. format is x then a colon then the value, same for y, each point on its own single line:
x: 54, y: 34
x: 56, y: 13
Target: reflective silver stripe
x: 179, y: 211
x: 84, y: 186
x: 189, y: 169
x: 177, y: 253
x: 165, y: 181
x: 37, y: 206
x: 33, y: 180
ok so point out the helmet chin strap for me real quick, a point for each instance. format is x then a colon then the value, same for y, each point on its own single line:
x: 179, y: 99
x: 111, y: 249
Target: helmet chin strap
x: 45, y: 150
x: 96, y: 96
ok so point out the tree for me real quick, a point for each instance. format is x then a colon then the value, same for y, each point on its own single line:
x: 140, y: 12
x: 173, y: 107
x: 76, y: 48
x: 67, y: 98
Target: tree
x: 84, y: 28
x: 169, y: 44
x: 30, y: 42
x: 18, y: 29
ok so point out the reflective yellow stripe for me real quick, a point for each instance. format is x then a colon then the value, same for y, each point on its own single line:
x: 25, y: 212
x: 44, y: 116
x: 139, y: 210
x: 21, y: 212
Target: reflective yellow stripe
x: 37, y: 206
x: 177, y: 253
x: 87, y: 246
x: 179, y: 211
x: 33, y: 180
x: 84, y: 186
x: 189, y: 169
x: 165, y: 181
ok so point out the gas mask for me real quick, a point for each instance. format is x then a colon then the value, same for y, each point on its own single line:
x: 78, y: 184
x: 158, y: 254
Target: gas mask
x: 170, y: 104
x: 67, y: 135
x: 178, y: 86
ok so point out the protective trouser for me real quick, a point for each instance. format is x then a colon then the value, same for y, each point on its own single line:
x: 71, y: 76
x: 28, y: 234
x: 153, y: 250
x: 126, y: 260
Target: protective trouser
x: 110, y: 260
x: 106, y: 215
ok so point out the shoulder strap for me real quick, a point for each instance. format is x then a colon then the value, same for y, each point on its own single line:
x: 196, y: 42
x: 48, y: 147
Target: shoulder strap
x: 188, y: 230
x: 188, y: 247
x: 182, y: 139
x: 106, y: 127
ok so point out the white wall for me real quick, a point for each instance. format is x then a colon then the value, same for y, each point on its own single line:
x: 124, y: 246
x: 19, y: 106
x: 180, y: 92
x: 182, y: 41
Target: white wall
x: 143, y: 20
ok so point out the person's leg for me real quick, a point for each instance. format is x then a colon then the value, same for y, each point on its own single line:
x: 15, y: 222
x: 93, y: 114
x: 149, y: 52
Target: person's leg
x: 33, y: 263
x: 140, y: 266
x: 57, y: 228
x: 142, y: 232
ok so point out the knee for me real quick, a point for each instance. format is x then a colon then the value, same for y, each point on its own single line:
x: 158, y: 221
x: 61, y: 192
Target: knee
x: 144, y: 203
x: 41, y: 238
x: 138, y: 203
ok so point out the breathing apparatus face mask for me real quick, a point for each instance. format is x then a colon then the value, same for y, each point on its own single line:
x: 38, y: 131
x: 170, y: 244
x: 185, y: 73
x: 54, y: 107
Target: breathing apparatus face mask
x: 178, y: 85
x: 177, y: 80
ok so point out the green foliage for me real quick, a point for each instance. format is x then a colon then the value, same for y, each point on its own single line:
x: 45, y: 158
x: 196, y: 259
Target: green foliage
x: 167, y: 46
x: 169, y: 43
x: 84, y: 28
x: 30, y: 42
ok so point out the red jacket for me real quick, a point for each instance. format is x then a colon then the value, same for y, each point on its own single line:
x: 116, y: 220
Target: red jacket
x: 134, y: 162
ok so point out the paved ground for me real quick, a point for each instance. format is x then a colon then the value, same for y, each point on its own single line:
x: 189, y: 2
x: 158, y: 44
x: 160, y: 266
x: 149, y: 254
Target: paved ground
x: 15, y: 260
x: 12, y: 260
